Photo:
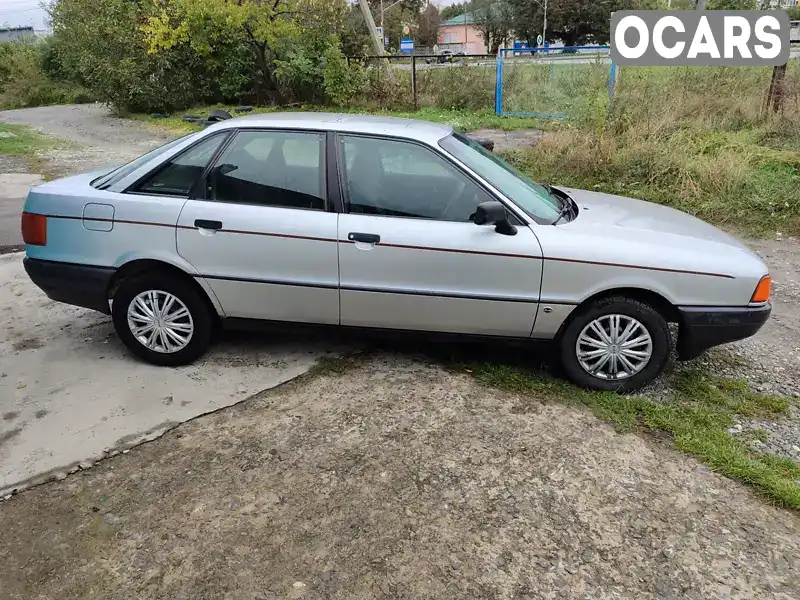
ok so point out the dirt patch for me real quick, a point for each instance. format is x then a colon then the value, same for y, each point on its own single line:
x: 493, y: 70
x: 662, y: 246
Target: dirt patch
x: 5, y: 436
x: 510, y: 140
x: 397, y: 480
x: 28, y: 344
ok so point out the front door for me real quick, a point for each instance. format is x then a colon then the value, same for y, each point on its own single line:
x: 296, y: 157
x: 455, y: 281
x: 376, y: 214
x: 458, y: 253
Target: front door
x: 410, y: 256
x: 261, y: 236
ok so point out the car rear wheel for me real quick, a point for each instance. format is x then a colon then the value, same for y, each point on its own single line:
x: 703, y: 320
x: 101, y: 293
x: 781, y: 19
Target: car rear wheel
x: 615, y: 344
x: 162, y: 320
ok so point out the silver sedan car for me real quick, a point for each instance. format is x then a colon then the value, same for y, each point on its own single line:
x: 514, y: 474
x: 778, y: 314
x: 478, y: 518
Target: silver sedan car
x: 395, y: 224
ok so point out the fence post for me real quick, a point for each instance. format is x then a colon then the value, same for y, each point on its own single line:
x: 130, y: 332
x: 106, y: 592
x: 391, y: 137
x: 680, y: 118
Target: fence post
x: 498, y: 85
x: 414, y: 79
x: 612, y: 83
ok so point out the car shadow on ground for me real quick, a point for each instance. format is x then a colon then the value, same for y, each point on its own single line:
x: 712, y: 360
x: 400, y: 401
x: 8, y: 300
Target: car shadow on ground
x: 447, y: 351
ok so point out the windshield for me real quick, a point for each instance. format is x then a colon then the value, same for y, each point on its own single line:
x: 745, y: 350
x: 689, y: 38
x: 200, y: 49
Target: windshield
x: 123, y: 171
x: 532, y: 197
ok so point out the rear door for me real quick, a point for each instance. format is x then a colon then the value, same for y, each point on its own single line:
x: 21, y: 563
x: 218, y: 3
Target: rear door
x: 260, y: 232
x: 410, y: 256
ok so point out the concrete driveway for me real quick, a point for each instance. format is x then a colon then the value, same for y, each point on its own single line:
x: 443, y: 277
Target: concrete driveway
x: 70, y: 393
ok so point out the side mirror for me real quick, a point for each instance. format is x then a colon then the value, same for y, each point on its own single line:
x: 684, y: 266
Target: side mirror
x: 494, y: 213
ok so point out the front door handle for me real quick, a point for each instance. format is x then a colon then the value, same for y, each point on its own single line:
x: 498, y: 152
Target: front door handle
x: 205, y: 224
x: 367, y: 238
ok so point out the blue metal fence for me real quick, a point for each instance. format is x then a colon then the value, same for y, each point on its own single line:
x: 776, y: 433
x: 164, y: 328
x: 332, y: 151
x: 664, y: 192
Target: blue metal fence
x: 547, y: 51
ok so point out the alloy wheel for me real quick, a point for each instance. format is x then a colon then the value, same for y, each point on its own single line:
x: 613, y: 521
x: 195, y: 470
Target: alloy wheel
x: 160, y: 321
x: 614, y: 347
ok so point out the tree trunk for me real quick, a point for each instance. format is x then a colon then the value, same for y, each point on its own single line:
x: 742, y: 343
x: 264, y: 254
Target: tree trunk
x: 775, y: 95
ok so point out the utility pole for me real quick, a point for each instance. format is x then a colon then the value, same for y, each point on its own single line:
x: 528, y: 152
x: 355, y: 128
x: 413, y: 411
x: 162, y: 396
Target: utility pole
x: 700, y: 5
x: 373, y: 32
x: 544, y: 29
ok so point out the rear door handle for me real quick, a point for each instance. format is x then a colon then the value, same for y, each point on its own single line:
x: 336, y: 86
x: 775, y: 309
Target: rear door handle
x: 367, y: 238
x: 205, y: 224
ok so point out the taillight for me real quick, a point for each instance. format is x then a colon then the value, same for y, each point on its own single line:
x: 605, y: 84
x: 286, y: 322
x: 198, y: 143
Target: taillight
x: 34, y: 229
x: 763, y: 290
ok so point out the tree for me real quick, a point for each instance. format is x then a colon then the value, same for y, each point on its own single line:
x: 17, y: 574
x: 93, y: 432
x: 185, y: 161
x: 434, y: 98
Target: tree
x: 493, y: 20
x: 575, y: 22
x: 271, y: 29
x: 355, y: 35
x: 99, y: 44
x: 459, y: 8
x: 428, y: 29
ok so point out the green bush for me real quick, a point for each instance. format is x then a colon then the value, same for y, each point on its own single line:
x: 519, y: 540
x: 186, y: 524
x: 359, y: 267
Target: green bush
x: 24, y: 83
x: 343, y: 82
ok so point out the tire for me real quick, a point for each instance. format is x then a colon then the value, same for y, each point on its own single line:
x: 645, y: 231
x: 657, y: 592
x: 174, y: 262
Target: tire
x: 625, y: 311
x: 200, y: 321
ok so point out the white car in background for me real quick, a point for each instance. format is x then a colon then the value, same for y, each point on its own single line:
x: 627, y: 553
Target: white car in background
x: 395, y: 224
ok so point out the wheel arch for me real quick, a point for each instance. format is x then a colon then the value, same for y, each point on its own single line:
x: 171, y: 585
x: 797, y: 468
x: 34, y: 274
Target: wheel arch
x: 140, y: 266
x: 653, y: 299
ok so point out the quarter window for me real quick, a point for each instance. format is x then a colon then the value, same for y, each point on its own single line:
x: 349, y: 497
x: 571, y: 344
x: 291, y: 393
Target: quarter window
x: 403, y: 179
x: 178, y: 175
x: 271, y: 168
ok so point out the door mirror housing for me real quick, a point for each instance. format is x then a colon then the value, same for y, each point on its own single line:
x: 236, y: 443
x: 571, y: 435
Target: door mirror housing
x: 494, y: 213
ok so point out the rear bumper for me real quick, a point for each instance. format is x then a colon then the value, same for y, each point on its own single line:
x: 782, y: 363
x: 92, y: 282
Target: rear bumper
x: 702, y: 328
x: 79, y: 285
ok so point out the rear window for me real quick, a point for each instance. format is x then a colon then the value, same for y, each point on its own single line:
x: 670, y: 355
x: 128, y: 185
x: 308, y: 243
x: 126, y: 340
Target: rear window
x: 121, y: 172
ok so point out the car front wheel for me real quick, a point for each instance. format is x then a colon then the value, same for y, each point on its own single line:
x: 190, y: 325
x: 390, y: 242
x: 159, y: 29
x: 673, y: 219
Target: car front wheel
x: 615, y: 344
x: 163, y: 320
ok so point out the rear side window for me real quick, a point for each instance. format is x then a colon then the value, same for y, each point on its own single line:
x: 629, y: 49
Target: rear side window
x: 271, y: 168
x: 177, y: 176
x: 123, y: 171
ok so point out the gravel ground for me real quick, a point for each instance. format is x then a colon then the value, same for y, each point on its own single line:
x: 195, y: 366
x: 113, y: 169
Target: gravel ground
x: 99, y: 139
x: 397, y: 480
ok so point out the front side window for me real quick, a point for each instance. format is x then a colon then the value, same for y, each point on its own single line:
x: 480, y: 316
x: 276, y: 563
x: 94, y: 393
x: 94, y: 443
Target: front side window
x: 177, y: 176
x: 271, y: 168
x: 530, y: 196
x: 402, y: 179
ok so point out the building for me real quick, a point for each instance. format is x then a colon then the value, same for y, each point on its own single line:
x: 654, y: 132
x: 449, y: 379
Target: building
x: 10, y: 34
x: 460, y: 34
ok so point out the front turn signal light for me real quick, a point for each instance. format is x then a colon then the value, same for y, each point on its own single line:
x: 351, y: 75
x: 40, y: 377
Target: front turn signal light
x: 34, y: 229
x: 763, y: 290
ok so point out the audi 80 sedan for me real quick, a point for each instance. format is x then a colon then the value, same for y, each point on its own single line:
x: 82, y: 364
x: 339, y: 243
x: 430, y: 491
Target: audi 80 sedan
x: 395, y: 224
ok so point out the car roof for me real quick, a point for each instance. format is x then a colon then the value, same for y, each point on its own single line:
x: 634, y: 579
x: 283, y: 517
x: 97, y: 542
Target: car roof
x: 423, y: 131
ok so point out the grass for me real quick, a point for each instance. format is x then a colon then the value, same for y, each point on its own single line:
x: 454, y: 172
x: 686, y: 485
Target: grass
x: 696, y: 416
x: 696, y: 139
x: 25, y: 142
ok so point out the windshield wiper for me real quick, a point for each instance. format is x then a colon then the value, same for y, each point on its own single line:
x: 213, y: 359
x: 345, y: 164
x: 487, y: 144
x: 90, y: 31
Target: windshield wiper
x: 566, y: 203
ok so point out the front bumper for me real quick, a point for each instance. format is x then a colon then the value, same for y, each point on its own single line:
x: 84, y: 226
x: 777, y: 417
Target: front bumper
x: 79, y: 285
x: 702, y: 328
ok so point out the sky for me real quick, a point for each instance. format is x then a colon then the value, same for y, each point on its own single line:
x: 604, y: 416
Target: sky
x: 17, y: 13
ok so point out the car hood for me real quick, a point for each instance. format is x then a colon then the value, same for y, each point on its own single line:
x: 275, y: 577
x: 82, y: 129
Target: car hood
x: 638, y: 220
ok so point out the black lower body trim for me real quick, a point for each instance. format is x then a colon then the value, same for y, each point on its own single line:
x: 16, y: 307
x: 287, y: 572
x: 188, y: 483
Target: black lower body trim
x: 702, y: 328
x: 79, y: 285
